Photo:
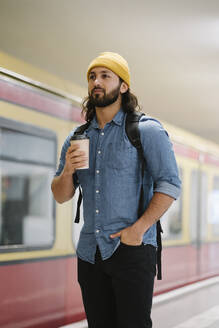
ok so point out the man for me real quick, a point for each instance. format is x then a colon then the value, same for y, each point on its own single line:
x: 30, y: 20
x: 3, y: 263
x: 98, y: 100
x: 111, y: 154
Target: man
x: 117, y: 249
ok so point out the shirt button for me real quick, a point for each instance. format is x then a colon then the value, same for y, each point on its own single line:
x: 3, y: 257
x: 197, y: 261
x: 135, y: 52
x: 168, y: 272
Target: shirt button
x: 97, y: 231
x: 97, y: 191
x: 102, y: 133
x: 97, y: 171
x: 99, y: 152
x: 97, y: 211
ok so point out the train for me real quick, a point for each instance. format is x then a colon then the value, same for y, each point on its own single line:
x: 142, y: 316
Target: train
x: 38, y: 237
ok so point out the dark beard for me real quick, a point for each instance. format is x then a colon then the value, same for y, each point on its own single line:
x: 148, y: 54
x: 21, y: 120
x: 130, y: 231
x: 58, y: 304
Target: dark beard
x: 104, y: 100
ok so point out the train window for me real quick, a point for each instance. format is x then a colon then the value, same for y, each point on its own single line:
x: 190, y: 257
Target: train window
x: 172, y: 219
x: 26, y: 206
x: 25, y: 147
x: 198, y: 205
x: 214, y: 207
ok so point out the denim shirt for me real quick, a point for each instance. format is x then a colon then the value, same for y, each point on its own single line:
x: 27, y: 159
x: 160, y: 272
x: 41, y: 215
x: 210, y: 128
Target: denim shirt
x: 111, y: 186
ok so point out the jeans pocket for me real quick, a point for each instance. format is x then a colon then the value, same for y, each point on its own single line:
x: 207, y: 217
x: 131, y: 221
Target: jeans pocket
x: 131, y: 246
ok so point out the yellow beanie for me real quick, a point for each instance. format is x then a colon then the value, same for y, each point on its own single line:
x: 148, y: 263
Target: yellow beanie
x: 113, y: 62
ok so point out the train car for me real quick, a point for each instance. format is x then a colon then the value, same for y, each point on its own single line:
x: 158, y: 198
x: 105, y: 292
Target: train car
x: 191, y: 225
x: 38, y: 238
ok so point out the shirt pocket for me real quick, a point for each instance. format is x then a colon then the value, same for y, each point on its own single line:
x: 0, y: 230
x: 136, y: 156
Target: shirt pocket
x: 121, y: 155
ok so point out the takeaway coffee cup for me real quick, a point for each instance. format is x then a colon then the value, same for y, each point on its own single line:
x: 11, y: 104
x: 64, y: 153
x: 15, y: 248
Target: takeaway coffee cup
x: 83, y: 141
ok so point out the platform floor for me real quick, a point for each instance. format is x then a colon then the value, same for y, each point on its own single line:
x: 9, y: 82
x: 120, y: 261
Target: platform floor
x: 193, y: 306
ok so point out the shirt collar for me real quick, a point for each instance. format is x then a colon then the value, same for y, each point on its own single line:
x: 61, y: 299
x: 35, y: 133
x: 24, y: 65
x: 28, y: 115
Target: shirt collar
x: 117, y: 119
x: 94, y: 123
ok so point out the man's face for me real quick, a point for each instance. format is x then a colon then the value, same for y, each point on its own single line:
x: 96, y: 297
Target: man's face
x: 103, y: 87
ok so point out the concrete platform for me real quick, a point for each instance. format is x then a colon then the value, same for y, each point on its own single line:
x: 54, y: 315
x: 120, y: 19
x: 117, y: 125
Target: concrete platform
x: 194, y: 306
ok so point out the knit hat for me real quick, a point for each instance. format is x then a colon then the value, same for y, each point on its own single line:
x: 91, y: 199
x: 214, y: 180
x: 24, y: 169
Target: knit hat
x: 113, y: 62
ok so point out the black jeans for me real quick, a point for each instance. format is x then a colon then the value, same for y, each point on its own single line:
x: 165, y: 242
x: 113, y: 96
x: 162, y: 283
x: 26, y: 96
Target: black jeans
x: 117, y: 292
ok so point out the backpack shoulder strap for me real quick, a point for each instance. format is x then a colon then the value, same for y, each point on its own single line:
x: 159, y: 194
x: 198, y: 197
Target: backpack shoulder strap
x: 81, y: 129
x: 133, y: 133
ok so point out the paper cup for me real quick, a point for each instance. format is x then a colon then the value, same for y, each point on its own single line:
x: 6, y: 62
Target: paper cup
x: 83, y: 141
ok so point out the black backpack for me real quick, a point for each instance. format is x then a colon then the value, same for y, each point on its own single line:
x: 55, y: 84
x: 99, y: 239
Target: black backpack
x: 132, y: 131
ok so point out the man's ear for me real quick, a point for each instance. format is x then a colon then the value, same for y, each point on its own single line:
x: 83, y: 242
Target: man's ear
x: 124, y: 87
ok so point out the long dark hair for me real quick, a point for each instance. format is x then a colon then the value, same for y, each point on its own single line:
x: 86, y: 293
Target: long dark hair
x: 129, y: 104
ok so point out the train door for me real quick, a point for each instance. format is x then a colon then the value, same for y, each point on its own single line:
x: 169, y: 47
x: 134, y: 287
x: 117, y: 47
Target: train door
x: 213, y: 221
x: 198, y: 217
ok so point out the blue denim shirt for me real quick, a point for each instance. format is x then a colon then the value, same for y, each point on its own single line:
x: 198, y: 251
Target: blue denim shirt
x: 112, y: 184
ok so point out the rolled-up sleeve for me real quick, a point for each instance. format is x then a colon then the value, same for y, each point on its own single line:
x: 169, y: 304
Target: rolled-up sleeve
x: 160, y: 159
x: 61, y: 165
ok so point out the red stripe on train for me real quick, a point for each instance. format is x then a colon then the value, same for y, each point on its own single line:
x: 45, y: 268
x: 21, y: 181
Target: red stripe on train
x: 46, y: 103
x: 192, y: 153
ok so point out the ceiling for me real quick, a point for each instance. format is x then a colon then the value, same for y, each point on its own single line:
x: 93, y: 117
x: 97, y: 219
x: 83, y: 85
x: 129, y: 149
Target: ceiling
x: 172, y: 48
